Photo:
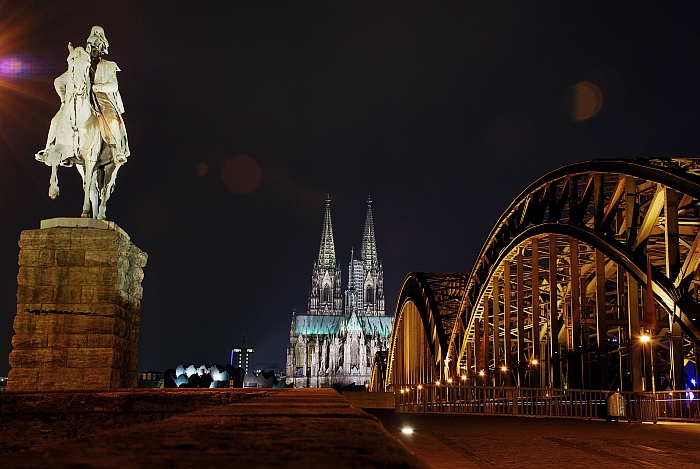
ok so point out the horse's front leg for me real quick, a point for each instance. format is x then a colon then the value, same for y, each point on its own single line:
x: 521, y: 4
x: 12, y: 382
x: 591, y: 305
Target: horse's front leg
x: 53, y: 182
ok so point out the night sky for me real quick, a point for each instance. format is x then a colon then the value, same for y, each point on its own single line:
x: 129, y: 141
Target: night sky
x: 242, y: 116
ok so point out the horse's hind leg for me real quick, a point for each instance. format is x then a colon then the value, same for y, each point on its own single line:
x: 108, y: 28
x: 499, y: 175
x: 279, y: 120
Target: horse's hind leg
x: 94, y: 197
x: 106, y: 188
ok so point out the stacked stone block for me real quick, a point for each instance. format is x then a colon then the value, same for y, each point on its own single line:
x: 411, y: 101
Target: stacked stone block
x: 78, y: 303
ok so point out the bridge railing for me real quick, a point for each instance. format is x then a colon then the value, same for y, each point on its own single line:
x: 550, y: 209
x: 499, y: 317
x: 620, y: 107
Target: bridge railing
x: 678, y: 405
x: 526, y: 402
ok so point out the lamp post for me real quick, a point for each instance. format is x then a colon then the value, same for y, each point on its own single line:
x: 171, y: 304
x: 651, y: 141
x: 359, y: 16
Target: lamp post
x: 504, y: 379
x: 533, y: 369
x: 644, y: 339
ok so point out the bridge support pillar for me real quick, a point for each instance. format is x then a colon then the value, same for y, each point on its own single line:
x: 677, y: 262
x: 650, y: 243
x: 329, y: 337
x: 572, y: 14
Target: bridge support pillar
x: 536, y: 371
x: 520, y: 287
x: 554, y: 322
x: 601, y: 321
x: 634, y: 333
x: 575, y: 371
x: 498, y: 375
x: 676, y: 353
x: 507, y: 340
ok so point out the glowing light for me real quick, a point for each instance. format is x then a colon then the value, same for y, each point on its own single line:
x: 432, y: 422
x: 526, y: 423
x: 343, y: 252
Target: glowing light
x: 692, y: 380
x: 644, y: 338
x: 535, y: 361
x: 401, y: 391
x: 504, y: 368
x: 482, y: 373
x: 437, y: 382
x: 11, y: 67
x: 420, y: 386
x: 585, y: 101
x: 464, y: 377
x: 215, y: 374
x: 406, y: 430
x: 449, y: 380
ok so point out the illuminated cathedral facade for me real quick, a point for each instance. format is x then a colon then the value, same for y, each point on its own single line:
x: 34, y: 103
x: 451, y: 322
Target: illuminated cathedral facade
x: 333, y: 344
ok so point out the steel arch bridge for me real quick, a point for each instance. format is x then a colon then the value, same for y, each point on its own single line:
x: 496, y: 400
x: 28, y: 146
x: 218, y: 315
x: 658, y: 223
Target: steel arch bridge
x: 590, y: 279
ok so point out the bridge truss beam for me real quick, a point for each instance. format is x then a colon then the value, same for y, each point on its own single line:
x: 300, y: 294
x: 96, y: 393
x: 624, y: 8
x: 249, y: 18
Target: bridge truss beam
x: 558, y: 294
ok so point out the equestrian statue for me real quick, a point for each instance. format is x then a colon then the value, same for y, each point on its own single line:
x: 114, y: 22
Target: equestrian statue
x: 88, y: 130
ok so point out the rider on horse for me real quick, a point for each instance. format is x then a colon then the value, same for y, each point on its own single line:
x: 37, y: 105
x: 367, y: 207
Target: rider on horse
x: 106, y: 101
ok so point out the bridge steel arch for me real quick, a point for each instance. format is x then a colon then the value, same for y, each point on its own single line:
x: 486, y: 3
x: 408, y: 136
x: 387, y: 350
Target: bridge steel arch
x: 426, y: 311
x: 585, y: 263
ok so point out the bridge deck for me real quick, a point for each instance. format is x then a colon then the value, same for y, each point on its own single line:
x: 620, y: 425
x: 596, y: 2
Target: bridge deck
x: 466, y: 441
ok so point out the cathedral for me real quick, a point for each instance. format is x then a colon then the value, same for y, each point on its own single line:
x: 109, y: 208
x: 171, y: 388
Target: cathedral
x: 333, y: 344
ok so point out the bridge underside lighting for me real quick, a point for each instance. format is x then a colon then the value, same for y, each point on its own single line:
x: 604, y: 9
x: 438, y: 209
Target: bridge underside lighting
x: 407, y: 430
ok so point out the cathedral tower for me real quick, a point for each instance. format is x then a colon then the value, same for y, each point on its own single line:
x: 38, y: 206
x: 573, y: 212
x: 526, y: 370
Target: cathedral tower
x: 372, y: 271
x: 325, y: 296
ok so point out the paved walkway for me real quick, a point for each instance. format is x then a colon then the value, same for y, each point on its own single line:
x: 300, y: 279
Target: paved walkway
x: 287, y: 428
x: 463, y: 441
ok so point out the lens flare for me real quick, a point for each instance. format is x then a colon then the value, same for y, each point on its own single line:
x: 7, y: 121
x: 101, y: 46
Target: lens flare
x: 241, y: 174
x: 585, y: 101
x: 202, y: 169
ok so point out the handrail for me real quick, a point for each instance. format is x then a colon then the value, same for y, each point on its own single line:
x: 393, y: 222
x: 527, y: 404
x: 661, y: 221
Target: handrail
x: 539, y: 402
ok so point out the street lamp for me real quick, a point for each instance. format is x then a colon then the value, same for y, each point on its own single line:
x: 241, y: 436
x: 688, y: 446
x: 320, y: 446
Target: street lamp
x: 644, y: 339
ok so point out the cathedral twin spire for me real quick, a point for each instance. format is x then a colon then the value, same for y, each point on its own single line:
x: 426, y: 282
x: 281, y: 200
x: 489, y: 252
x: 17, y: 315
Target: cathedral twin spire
x: 369, y: 244
x: 365, y: 292
x: 326, y: 252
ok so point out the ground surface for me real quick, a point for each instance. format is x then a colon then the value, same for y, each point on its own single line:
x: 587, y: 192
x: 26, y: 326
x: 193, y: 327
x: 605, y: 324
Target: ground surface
x: 309, y: 429
x: 449, y: 441
x: 278, y: 428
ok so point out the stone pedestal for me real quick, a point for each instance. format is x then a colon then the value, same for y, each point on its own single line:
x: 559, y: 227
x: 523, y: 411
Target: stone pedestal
x: 78, y: 302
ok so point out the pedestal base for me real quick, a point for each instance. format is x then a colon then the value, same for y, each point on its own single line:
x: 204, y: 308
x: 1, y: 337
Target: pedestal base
x: 78, y: 303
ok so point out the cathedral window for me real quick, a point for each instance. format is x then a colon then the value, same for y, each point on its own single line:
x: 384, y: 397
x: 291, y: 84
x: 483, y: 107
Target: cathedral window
x: 299, y: 355
x: 369, y: 295
x: 309, y: 356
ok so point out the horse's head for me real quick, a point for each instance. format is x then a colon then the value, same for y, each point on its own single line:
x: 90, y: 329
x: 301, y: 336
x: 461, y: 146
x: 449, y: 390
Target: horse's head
x: 78, y: 69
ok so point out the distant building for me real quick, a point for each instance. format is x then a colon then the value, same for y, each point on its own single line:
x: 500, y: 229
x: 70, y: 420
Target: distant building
x: 276, y: 368
x: 334, y: 342
x: 204, y: 376
x: 242, y: 357
x: 150, y: 379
